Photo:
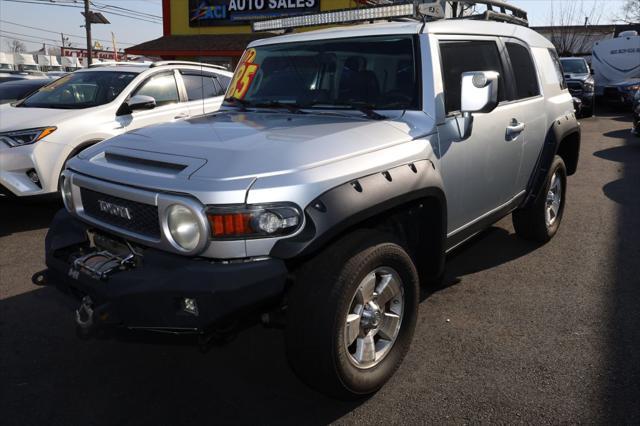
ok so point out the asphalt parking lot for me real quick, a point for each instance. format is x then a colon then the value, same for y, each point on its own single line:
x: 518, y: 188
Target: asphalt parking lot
x: 519, y: 334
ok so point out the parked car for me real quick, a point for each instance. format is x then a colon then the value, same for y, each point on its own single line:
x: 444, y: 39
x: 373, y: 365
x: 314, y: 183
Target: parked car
x: 342, y: 167
x: 12, y: 91
x: 580, y: 83
x: 19, y: 75
x: 40, y: 133
x: 636, y: 113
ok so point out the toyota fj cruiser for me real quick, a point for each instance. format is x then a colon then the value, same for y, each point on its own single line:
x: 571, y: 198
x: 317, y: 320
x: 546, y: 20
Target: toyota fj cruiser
x: 343, y: 166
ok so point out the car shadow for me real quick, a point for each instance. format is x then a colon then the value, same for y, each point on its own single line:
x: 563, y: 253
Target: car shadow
x: 489, y: 249
x: 154, y: 381
x: 18, y: 215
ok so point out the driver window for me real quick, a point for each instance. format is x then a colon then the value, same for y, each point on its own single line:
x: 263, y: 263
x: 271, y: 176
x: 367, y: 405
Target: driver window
x: 162, y: 88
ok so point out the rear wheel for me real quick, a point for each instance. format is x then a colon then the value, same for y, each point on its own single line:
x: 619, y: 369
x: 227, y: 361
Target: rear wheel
x: 351, y: 315
x: 541, y: 221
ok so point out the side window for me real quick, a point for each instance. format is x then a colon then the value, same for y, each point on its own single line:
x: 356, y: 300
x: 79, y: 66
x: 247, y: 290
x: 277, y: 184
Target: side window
x: 462, y: 56
x: 523, y: 70
x: 162, y: 88
x: 558, y: 67
x: 200, y: 86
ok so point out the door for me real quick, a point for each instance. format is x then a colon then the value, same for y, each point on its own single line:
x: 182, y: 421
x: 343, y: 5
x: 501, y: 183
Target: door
x: 164, y: 89
x: 527, y: 109
x: 479, y: 172
x: 204, y: 91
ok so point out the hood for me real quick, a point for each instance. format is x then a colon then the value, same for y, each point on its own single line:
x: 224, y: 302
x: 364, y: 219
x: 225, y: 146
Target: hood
x: 627, y: 82
x: 12, y: 118
x: 232, y: 145
x: 577, y: 77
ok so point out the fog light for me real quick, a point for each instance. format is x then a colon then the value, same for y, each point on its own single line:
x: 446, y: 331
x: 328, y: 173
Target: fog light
x: 33, y: 175
x: 190, y: 306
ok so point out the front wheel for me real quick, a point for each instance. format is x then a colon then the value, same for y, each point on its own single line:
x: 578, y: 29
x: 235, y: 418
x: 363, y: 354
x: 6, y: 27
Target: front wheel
x: 541, y: 221
x: 351, y: 315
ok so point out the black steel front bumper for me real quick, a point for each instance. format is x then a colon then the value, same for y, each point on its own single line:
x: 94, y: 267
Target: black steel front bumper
x: 150, y: 295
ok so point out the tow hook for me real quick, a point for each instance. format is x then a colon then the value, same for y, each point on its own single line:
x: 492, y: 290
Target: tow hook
x: 40, y: 278
x: 84, y: 317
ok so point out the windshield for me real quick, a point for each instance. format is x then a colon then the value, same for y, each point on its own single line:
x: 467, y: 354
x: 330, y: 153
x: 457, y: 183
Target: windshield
x: 574, y: 66
x: 80, y: 90
x: 366, y: 72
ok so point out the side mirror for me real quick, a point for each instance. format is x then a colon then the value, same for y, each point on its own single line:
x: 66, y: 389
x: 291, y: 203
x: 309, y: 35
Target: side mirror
x: 479, y: 91
x: 136, y: 102
x: 141, y: 102
x: 591, y: 71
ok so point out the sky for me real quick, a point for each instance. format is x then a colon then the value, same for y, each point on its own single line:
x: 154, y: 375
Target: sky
x: 56, y: 19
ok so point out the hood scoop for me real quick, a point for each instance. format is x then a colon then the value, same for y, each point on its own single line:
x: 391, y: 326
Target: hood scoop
x: 148, y: 163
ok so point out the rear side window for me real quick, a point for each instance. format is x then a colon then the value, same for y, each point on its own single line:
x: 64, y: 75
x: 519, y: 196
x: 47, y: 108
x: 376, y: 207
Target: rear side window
x: 523, y: 70
x: 201, y: 86
x: 558, y: 68
x: 224, y: 81
x: 463, y: 56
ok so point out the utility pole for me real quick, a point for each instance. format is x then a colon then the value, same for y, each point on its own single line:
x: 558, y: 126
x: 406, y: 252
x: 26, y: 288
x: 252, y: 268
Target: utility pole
x: 87, y: 26
x: 115, y: 48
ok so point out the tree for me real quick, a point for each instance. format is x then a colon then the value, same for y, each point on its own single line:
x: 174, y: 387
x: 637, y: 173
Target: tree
x: 631, y: 12
x: 16, y: 46
x: 573, y: 27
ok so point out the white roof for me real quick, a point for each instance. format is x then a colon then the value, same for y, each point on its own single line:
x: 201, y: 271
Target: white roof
x: 6, y: 58
x: 444, y: 26
x: 24, y: 59
x: 123, y: 68
x: 49, y: 60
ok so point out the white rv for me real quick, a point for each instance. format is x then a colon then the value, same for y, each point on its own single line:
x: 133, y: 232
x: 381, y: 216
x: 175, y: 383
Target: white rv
x: 616, y: 65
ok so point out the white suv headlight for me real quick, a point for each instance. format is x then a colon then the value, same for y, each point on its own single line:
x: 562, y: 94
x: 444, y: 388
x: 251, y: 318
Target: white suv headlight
x: 184, y: 226
x: 25, y: 137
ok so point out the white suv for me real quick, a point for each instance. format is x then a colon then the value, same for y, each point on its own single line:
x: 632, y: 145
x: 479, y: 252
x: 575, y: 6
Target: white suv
x: 40, y: 133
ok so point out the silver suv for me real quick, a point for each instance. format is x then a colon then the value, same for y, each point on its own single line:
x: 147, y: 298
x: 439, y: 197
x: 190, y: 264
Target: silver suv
x: 343, y: 166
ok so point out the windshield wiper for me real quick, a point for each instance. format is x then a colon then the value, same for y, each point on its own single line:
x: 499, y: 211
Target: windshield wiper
x: 241, y: 103
x: 367, y: 109
x: 292, y: 108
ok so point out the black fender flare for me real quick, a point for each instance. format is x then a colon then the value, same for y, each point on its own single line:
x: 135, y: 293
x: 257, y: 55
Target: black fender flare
x: 561, y: 128
x: 352, y: 203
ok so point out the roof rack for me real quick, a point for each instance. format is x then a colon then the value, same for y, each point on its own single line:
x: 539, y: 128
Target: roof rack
x: 494, y: 10
x: 198, y: 64
x: 118, y: 64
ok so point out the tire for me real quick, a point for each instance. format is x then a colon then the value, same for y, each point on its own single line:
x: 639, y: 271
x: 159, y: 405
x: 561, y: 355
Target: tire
x: 325, y: 297
x: 532, y: 223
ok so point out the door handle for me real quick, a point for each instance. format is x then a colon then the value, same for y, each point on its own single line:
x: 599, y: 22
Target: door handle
x: 514, y: 129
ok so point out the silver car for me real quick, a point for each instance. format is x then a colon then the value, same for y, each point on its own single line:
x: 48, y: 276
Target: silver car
x: 342, y: 167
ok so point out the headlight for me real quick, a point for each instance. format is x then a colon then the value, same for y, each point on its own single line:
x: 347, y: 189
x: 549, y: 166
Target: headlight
x: 184, y: 226
x: 632, y: 88
x: 253, y: 221
x: 25, y: 137
x: 588, y: 87
x: 67, y: 195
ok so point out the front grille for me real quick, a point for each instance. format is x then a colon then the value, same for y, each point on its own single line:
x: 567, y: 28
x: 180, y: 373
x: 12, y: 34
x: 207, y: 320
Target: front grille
x: 143, y: 217
x: 574, y: 86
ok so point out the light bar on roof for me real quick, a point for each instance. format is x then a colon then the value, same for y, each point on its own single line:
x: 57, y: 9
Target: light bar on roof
x: 337, y: 17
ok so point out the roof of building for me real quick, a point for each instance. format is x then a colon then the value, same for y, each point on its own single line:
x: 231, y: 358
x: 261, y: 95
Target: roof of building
x: 195, y: 45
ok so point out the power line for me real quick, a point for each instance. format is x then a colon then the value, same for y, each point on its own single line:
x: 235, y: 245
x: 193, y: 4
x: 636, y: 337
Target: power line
x: 75, y: 6
x: 27, y: 35
x: 58, y: 32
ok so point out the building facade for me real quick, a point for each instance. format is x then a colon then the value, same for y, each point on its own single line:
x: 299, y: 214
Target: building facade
x: 217, y: 31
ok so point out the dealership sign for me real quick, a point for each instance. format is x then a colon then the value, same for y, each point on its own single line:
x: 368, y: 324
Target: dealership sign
x: 233, y: 12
